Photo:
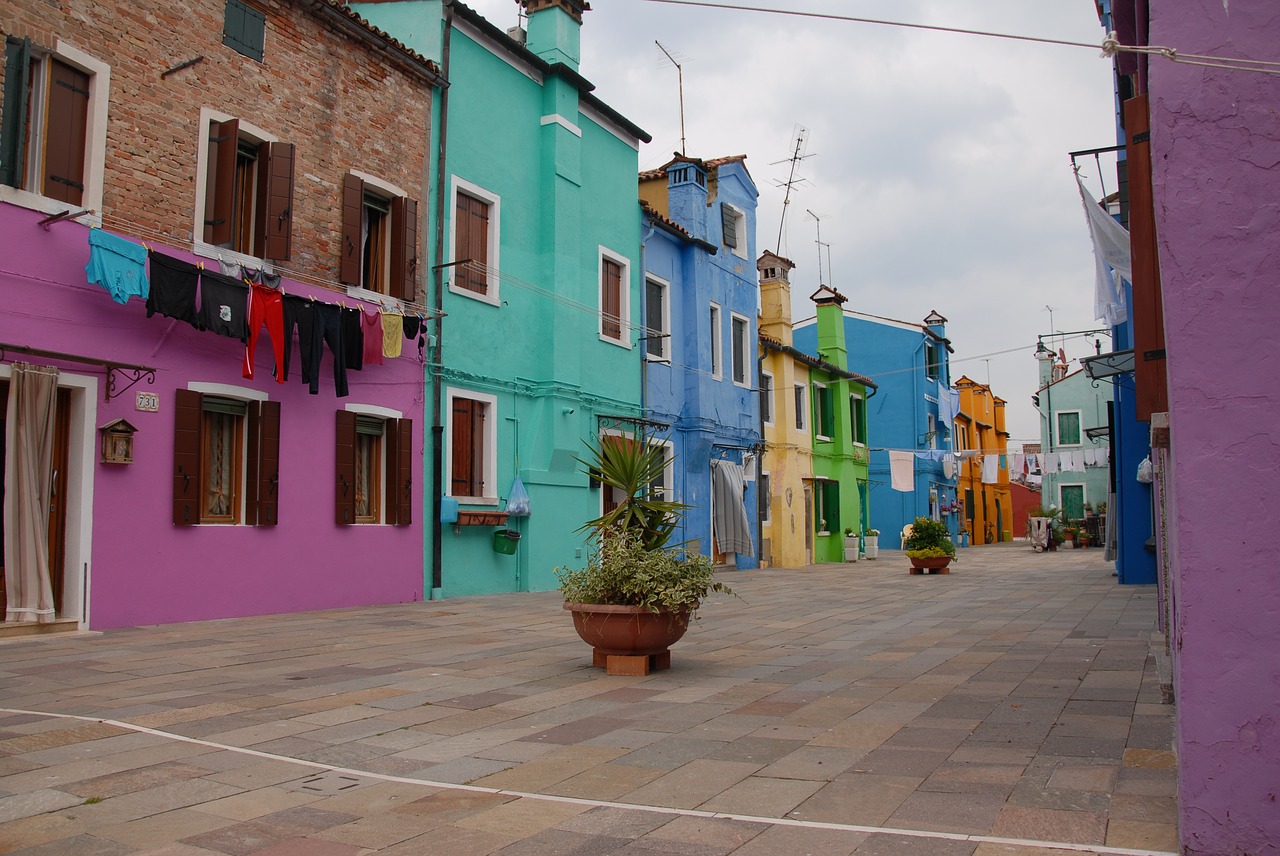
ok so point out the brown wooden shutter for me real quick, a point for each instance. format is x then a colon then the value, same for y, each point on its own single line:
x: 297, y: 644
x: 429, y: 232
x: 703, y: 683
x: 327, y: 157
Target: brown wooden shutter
x: 391, y: 483
x: 611, y: 299
x: 252, y: 485
x: 344, y: 502
x: 463, y: 447
x: 268, y: 472
x: 471, y: 241
x: 404, y: 248
x: 399, y: 478
x: 65, y: 128
x: 219, y: 187
x: 188, y: 411
x: 276, y: 179
x: 1149, y: 367
x: 352, y: 215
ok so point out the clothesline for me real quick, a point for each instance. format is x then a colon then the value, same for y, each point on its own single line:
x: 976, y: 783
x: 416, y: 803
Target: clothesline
x: 143, y: 233
x: 237, y: 304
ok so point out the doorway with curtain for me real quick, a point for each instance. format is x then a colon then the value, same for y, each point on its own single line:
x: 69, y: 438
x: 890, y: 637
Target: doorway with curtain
x: 34, y: 453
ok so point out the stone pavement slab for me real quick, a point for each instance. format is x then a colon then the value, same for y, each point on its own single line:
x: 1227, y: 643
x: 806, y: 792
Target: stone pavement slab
x: 1000, y: 710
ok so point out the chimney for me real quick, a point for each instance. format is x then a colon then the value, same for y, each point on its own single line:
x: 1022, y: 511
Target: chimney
x: 687, y: 194
x: 775, y: 296
x: 831, y: 343
x: 554, y: 30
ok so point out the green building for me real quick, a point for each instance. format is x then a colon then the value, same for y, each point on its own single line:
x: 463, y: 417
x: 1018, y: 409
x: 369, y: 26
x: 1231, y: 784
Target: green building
x: 534, y: 243
x: 838, y: 400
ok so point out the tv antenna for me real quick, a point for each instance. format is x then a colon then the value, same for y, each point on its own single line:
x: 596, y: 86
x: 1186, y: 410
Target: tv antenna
x: 798, y: 153
x: 680, y: 78
x: 818, y: 221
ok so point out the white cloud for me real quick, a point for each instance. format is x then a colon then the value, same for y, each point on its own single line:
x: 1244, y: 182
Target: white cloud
x: 940, y: 168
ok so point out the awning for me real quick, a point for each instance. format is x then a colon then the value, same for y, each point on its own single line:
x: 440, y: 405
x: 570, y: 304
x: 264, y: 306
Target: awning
x: 1108, y: 365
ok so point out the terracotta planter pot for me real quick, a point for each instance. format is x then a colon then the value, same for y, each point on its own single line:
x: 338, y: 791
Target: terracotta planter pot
x: 628, y: 640
x: 936, y: 564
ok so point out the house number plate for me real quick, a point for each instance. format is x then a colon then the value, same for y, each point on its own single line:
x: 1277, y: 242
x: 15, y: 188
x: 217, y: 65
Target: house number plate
x: 148, y: 401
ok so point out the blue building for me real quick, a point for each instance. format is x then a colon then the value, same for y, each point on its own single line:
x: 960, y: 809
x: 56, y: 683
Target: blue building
x: 910, y: 363
x: 699, y: 347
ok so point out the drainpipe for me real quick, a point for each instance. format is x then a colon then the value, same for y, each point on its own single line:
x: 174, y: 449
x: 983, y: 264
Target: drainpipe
x: 761, y: 497
x: 644, y: 342
x: 437, y: 388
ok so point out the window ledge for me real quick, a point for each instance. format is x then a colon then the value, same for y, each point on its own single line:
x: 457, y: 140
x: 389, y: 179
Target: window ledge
x: 223, y: 254
x: 481, y: 518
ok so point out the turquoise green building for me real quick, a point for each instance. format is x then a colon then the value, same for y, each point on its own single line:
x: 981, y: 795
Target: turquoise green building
x: 534, y: 246
x: 838, y: 403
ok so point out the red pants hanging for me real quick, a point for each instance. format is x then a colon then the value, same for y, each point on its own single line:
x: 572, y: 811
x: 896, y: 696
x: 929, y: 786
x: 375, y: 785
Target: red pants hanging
x: 266, y: 307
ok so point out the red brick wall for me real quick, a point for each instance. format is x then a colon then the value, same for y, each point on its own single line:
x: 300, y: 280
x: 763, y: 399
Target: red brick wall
x: 342, y: 102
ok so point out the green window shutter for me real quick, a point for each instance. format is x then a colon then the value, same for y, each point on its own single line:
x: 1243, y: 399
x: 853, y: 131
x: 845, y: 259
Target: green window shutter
x: 13, y: 128
x: 244, y: 29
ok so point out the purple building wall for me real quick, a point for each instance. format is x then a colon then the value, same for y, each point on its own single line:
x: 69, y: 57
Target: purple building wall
x: 1216, y: 153
x: 128, y: 564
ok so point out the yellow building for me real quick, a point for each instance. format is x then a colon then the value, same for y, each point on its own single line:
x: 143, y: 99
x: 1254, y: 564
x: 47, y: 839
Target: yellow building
x: 983, y: 483
x: 787, y: 525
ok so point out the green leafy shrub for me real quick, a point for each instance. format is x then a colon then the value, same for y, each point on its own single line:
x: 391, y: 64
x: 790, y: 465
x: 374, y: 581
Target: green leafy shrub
x: 623, y: 572
x: 929, y: 539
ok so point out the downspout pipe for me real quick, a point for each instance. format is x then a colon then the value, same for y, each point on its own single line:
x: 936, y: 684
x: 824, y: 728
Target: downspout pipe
x: 437, y: 386
x: 761, y: 497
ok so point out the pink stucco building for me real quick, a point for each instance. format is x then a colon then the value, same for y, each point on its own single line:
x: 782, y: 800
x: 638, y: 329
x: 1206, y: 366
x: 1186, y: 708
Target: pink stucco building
x: 1215, y: 175
x: 196, y: 137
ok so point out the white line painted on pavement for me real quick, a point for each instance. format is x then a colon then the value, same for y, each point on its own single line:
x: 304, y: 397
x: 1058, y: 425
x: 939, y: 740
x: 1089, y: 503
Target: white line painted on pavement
x: 1100, y: 849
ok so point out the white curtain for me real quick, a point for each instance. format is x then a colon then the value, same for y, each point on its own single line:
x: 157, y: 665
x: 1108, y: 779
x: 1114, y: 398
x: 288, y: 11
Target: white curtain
x: 33, y: 396
x: 732, y: 529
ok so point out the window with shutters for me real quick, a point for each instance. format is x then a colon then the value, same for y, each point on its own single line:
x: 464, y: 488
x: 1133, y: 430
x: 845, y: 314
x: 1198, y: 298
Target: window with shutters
x: 733, y: 223
x: 823, y: 412
x: 52, y: 126
x: 1068, y: 427
x: 657, y: 319
x: 373, y: 467
x: 244, y: 29
x: 472, y: 452
x: 226, y: 466
x: 766, y: 492
x: 379, y: 247
x: 475, y: 226
x: 766, y: 398
x: 858, y: 419
x: 246, y: 196
x: 932, y: 361
x: 739, y: 328
x: 826, y: 501
x: 716, y: 340
x: 802, y: 407
x: 615, y: 298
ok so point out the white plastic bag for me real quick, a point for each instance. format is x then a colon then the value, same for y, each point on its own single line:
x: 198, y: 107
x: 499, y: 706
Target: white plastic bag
x: 1144, y: 470
x: 518, y: 500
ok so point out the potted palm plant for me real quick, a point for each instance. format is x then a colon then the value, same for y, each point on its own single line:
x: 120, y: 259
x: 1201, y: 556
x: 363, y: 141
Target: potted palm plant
x: 929, y: 546
x: 635, y: 597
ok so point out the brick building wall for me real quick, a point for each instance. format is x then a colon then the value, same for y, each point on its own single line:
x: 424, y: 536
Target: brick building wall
x: 344, y: 101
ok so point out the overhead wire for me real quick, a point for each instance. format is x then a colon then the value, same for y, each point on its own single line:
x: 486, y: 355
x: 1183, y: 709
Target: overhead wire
x: 1109, y: 45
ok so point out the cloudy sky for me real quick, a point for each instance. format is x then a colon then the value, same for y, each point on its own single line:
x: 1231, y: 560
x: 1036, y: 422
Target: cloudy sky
x: 938, y: 169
